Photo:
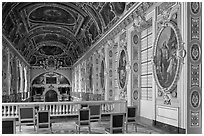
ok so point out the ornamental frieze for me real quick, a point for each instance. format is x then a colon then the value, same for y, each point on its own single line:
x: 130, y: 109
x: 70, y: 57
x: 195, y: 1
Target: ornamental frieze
x: 195, y: 28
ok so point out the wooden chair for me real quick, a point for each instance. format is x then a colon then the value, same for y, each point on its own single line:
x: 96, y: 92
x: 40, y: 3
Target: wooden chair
x: 9, y: 126
x: 95, y: 113
x: 84, y: 106
x: 26, y: 116
x: 43, y: 120
x: 83, y: 119
x: 131, y: 117
x: 116, y: 124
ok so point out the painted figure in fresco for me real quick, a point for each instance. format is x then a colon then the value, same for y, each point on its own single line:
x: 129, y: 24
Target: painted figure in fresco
x: 172, y: 63
x: 166, y: 59
x: 163, y: 60
x: 122, y: 69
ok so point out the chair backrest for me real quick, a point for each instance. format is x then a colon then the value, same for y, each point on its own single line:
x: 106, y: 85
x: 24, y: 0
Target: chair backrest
x: 84, y: 106
x: 84, y: 115
x: 26, y: 113
x: 8, y: 126
x: 95, y: 110
x: 43, y: 117
x: 117, y: 123
x: 131, y: 112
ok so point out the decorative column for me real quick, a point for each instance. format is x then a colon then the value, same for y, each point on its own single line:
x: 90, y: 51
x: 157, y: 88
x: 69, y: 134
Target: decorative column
x: 106, y: 70
x: 194, y: 63
x: 136, y: 65
x: 5, y: 72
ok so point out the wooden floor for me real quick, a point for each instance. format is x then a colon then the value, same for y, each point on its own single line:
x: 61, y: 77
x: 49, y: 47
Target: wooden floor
x: 67, y: 126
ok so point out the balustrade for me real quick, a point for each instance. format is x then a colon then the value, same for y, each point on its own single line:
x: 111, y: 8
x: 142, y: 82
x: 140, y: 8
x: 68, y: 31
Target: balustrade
x: 10, y: 110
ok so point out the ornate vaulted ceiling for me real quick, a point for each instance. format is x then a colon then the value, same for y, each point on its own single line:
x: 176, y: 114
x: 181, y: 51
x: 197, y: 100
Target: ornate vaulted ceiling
x: 60, y: 32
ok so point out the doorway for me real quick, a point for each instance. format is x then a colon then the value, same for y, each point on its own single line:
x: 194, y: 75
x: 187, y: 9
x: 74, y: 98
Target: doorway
x: 51, y: 96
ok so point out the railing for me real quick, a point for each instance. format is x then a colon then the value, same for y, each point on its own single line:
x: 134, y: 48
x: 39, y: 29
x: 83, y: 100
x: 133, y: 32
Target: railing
x: 10, y: 110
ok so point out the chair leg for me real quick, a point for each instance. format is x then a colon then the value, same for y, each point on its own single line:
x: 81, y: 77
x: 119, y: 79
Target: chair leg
x: 34, y: 127
x: 126, y: 128
x: 19, y: 127
x: 50, y: 127
x: 79, y: 130
x: 89, y: 130
x: 135, y: 127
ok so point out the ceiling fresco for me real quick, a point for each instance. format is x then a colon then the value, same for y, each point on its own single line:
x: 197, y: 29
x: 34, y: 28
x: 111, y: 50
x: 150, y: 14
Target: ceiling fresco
x: 62, y: 31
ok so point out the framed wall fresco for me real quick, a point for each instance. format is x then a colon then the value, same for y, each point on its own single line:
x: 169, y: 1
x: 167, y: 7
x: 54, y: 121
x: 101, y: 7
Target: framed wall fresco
x: 168, y: 57
x: 90, y: 77
x: 122, y: 72
x: 102, y: 74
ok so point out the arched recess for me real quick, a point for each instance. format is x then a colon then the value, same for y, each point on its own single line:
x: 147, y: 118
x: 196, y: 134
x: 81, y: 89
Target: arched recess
x: 47, y: 81
x: 43, y: 72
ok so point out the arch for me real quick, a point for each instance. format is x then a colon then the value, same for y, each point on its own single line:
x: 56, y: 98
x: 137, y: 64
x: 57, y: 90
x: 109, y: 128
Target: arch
x: 41, y: 73
x: 51, y: 95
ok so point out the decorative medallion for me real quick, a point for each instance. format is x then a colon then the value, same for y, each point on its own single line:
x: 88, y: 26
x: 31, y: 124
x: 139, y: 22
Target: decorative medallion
x: 195, y: 99
x: 195, y: 7
x: 135, y: 95
x: 195, y: 118
x: 168, y: 57
x: 135, y: 39
x: 122, y: 69
x: 110, y: 93
x: 135, y: 67
x: 110, y: 53
x: 195, y: 52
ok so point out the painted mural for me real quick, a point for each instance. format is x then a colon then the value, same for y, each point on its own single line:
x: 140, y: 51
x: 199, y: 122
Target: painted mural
x: 102, y: 75
x: 168, y: 55
x: 122, y: 69
x: 166, y: 61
